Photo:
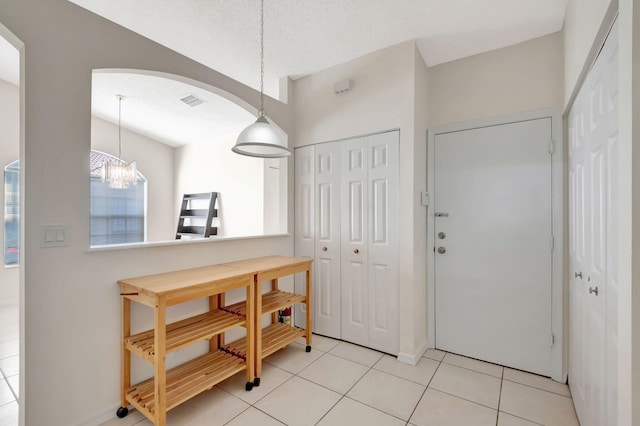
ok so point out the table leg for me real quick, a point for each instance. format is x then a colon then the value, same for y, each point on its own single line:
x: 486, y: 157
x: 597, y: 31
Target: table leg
x: 126, y: 355
x: 258, y: 327
x: 251, y: 339
x: 309, y: 309
x: 160, y: 381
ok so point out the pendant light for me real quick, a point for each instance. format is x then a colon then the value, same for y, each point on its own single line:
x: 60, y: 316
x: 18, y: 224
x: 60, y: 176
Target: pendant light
x: 118, y: 173
x: 260, y: 139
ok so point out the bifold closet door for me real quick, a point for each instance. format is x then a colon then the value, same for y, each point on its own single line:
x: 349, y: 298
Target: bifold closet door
x: 304, y: 221
x: 326, y: 286
x: 593, y: 260
x: 355, y: 249
x: 369, y: 175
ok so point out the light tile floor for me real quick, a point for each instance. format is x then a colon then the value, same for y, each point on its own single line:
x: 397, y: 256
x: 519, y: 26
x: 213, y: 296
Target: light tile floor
x: 9, y: 370
x: 338, y: 383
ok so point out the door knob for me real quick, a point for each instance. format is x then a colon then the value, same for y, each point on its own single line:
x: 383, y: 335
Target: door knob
x: 593, y: 290
x: 356, y: 251
x: 442, y: 250
x: 578, y: 274
x: 324, y: 249
x: 442, y: 235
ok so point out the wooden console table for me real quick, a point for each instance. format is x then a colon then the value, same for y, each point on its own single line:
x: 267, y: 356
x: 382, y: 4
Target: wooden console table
x: 167, y: 389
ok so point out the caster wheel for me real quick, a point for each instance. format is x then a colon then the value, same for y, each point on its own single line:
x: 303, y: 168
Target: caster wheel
x: 308, y: 349
x: 122, y: 412
x: 256, y: 381
x: 248, y: 386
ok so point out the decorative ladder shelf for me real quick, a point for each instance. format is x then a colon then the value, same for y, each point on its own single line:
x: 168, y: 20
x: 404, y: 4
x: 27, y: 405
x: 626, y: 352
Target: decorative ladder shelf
x: 198, y: 219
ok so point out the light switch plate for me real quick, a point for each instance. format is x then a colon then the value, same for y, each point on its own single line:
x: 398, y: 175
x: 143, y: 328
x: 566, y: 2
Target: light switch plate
x: 54, y: 235
x: 424, y: 198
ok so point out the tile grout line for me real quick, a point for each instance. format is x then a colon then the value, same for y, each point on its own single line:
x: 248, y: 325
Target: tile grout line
x: 540, y: 389
x: 499, y: 397
x: 425, y: 390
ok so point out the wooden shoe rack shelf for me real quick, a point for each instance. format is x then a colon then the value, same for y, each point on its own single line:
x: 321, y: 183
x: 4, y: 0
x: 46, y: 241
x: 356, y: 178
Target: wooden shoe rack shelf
x: 169, y: 388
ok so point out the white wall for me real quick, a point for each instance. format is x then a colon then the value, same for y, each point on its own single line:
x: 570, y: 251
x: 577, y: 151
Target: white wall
x: 155, y: 161
x: 519, y: 78
x: 70, y: 361
x: 629, y: 213
x: 420, y: 244
x: 382, y: 98
x: 212, y: 166
x: 9, y: 152
x: 581, y: 25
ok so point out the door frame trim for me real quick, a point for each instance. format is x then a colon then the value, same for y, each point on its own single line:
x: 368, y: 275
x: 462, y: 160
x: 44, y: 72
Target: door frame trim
x: 558, y: 365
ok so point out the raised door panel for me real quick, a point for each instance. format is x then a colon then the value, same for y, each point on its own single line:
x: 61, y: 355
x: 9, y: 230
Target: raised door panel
x: 304, y: 220
x: 383, y: 228
x: 327, y: 315
x: 355, y: 283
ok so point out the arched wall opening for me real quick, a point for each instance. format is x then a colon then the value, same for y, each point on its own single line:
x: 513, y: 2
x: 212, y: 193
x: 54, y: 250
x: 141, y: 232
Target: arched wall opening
x: 180, y: 133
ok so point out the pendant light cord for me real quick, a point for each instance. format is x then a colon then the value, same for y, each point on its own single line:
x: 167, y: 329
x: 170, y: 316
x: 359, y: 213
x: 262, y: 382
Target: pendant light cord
x: 120, y: 127
x: 261, y: 112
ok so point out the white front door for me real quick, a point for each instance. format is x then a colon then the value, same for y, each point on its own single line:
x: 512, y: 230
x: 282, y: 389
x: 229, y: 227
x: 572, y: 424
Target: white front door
x: 493, y: 242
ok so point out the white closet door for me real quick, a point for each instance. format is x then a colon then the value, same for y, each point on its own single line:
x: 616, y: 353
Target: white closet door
x: 593, y: 255
x: 355, y: 285
x: 304, y: 220
x: 383, y: 241
x: 578, y: 253
x: 327, y: 241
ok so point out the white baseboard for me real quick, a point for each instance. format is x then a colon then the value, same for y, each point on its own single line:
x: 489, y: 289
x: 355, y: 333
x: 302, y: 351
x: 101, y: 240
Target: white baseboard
x: 412, y: 359
x: 102, y: 417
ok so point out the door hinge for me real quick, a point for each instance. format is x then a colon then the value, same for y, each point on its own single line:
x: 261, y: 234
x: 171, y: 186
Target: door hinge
x: 553, y: 339
x: 553, y: 243
x: 552, y: 146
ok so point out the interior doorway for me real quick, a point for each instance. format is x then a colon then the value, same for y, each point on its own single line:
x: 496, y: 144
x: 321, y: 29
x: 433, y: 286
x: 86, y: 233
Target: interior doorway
x: 10, y: 232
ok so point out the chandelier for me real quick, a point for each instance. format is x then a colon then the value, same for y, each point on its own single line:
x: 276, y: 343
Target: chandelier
x: 118, y: 173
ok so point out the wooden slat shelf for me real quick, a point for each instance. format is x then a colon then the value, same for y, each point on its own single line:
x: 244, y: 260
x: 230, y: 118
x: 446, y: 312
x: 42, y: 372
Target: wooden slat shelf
x: 185, y: 332
x: 271, y: 302
x: 186, y: 380
x: 274, y: 337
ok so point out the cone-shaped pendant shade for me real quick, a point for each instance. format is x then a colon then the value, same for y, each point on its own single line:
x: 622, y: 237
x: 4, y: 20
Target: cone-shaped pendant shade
x: 261, y: 140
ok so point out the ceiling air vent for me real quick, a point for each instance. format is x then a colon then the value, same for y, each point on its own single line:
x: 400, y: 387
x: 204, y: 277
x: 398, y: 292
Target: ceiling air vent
x: 192, y: 100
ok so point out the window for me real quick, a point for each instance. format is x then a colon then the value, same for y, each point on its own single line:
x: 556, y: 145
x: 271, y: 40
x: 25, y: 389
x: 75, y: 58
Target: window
x: 117, y: 215
x: 12, y: 214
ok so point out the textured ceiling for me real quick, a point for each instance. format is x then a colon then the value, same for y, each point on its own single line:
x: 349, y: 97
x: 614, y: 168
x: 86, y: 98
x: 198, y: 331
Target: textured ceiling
x: 305, y: 36
x: 151, y: 106
x: 301, y: 37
